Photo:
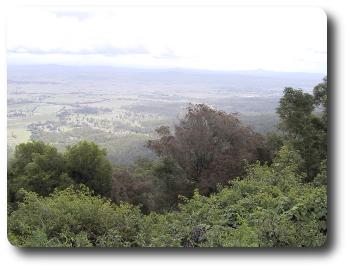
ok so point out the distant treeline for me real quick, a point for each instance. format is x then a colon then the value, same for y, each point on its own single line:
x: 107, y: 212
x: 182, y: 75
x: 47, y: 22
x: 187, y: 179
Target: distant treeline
x: 215, y: 183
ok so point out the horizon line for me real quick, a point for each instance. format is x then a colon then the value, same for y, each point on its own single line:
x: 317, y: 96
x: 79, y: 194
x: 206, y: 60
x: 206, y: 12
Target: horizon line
x: 169, y: 68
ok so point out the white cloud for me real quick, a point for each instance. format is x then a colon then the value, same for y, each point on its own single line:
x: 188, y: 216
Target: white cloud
x: 284, y: 39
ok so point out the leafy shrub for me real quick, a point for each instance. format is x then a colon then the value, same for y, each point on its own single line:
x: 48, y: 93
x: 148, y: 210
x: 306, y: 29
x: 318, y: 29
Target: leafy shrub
x: 72, y: 218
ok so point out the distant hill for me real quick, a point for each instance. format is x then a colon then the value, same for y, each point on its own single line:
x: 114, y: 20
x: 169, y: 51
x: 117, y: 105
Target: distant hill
x: 169, y: 79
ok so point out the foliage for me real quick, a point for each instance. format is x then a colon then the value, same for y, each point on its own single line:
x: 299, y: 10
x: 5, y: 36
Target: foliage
x: 72, y: 218
x: 274, y: 142
x: 154, y: 184
x: 294, y: 111
x: 303, y: 127
x: 210, y: 146
x: 270, y: 207
x: 321, y: 177
x: 40, y: 168
x: 88, y: 165
x: 127, y: 186
x: 36, y: 167
x: 320, y: 93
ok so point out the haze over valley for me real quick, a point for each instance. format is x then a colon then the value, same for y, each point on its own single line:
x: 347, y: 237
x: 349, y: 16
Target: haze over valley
x: 119, y: 108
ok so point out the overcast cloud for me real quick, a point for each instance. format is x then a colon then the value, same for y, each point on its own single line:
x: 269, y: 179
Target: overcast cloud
x: 280, y: 39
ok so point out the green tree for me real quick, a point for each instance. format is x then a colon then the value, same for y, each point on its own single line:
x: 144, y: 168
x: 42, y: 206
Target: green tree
x: 37, y: 167
x: 304, y: 127
x: 321, y: 98
x: 295, y: 110
x: 88, y: 165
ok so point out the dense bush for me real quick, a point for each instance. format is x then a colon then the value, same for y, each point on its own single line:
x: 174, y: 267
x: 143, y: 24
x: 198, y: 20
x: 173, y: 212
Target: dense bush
x: 270, y: 207
x: 72, y: 218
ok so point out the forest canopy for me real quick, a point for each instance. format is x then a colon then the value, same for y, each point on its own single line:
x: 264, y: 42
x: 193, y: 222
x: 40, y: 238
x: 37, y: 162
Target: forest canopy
x: 215, y: 183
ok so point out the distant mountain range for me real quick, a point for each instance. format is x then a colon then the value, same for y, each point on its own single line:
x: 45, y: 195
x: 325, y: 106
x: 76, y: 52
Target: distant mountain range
x: 171, y: 78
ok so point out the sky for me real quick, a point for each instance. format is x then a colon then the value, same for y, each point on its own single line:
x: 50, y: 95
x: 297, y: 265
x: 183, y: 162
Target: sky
x: 216, y: 38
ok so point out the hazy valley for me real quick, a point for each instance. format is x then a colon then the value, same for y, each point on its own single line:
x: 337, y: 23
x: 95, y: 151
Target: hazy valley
x: 119, y: 108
